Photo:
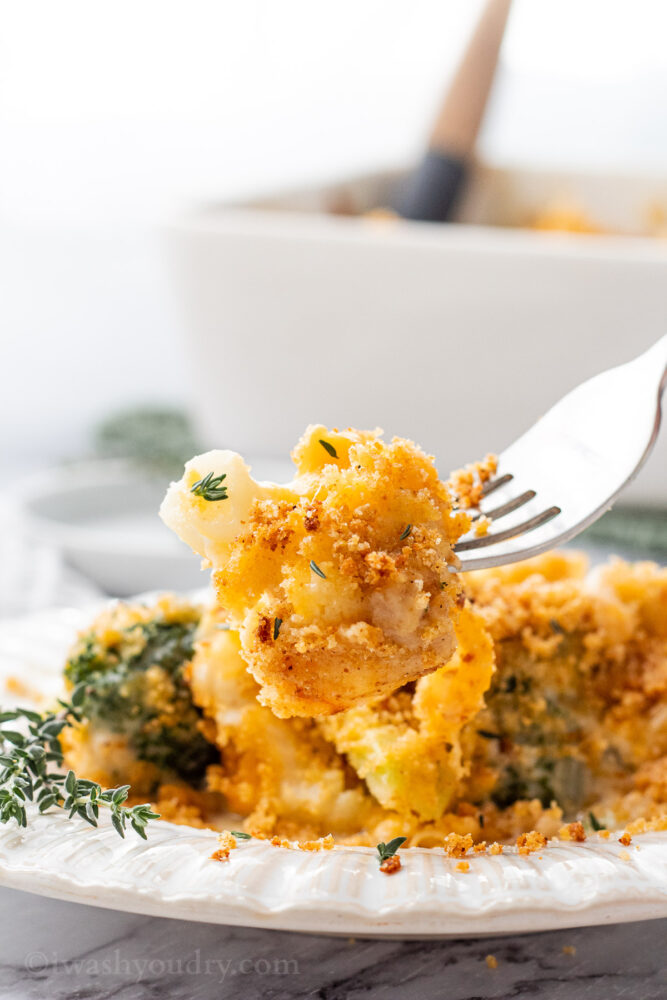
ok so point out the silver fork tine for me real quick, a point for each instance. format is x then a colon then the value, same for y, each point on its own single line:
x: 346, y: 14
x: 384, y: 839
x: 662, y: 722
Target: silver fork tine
x: 564, y: 472
x: 495, y: 484
x: 509, y: 506
x: 500, y: 536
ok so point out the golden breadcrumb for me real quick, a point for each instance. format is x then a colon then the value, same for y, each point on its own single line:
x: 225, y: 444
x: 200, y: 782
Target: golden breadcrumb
x: 456, y: 846
x: 573, y: 831
x: 468, y: 483
x: 227, y: 843
x: 528, y: 843
x: 391, y: 865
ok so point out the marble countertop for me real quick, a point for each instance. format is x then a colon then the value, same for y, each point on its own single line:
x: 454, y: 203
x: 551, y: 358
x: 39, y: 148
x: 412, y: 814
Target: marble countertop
x: 57, y: 950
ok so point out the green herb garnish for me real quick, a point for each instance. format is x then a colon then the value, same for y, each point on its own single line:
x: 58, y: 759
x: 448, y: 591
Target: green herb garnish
x: 488, y: 735
x: 29, y: 772
x: 406, y: 531
x: 240, y: 835
x: 329, y: 448
x: 277, y: 622
x: 389, y: 850
x: 595, y: 822
x: 209, y: 487
x: 316, y: 569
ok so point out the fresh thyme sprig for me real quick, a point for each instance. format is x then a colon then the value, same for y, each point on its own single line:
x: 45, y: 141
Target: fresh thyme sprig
x: 240, y: 835
x: 386, y: 851
x: 209, y: 487
x: 29, y: 773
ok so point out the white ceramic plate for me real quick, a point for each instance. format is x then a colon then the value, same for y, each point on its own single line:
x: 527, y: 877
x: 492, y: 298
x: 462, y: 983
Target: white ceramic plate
x: 339, y: 891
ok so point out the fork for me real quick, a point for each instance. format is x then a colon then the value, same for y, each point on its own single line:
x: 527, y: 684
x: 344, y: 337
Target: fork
x: 567, y: 470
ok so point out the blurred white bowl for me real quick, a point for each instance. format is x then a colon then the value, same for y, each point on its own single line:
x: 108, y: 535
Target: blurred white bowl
x: 103, y: 517
x: 458, y: 336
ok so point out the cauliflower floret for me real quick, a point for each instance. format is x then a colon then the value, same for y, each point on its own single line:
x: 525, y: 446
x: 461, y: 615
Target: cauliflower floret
x: 407, y: 747
x: 278, y: 773
x: 342, y: 583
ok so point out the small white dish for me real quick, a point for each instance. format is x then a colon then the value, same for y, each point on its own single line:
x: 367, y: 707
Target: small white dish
x: 102, y: 516
x: 333, y: 892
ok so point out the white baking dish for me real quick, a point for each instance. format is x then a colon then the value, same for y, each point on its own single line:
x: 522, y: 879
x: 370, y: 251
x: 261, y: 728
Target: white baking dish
x: 458, y: 336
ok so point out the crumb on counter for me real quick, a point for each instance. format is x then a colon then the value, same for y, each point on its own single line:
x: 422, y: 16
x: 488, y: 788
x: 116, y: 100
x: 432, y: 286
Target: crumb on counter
x: 569, y: 949
x: 491, y: 961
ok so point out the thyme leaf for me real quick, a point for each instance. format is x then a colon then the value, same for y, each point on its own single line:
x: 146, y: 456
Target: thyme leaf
x: 316, y: 569
x: 595, y: 822
x: 277, y: 622
x: 406, y: 531
x: 329, y: 448
x: 29, y: 771
x: 389, y: 850
x: 210, y: 487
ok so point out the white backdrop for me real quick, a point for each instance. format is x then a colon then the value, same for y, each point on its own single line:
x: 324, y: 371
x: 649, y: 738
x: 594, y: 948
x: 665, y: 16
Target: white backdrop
x: 113, y: 115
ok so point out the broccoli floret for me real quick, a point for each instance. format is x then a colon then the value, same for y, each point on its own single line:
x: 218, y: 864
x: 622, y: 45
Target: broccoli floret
x: 531, y: 727
x: 135, y: 686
